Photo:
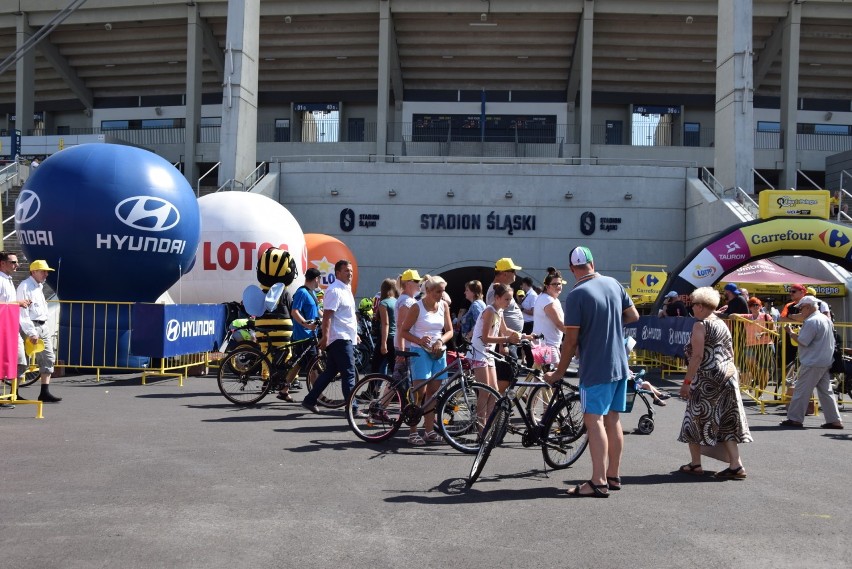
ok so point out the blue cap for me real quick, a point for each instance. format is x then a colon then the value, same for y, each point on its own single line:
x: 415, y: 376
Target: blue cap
x: 732, y: 287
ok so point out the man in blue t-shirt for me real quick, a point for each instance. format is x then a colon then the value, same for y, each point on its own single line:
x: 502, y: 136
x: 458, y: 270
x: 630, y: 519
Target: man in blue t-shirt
x: 596, y: 310
x: 303, y: 310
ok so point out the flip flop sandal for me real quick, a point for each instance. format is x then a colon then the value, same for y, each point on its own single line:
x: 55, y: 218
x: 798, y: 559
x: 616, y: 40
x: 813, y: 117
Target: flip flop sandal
x: 693, y: 469
x: 597, y: 491
x: 285, y: 397
x: 613, y: 483
x: 731, y: 474
x: 416, y: 440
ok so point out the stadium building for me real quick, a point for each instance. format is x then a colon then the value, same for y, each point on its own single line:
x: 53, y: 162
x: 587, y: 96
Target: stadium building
x: 443, y: 135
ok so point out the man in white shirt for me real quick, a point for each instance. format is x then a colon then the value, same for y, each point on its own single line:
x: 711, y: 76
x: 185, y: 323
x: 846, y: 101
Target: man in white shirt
x: 8, y: 265
x: 339, y: 336
x: 34, y: 324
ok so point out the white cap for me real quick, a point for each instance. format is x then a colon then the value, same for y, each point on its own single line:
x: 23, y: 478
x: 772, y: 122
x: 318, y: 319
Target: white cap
x: 672, y: 294
x: 806, y: 300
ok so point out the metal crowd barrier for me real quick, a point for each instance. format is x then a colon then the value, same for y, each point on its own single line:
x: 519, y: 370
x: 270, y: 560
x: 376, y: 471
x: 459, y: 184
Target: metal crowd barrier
x: 12, y: 397
x: 95, y: 335
x: 767, y: 367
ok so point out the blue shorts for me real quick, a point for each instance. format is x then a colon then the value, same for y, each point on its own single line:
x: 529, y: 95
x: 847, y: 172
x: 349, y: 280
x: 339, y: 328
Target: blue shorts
x: 424, y: 367
x: 605, y: 397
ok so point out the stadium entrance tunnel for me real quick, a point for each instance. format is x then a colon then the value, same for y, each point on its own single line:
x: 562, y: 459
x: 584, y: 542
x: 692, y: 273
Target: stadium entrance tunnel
x: 746, y: 242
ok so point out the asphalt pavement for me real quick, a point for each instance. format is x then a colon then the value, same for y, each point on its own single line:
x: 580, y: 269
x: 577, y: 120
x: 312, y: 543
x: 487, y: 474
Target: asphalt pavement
x: 121, y: 475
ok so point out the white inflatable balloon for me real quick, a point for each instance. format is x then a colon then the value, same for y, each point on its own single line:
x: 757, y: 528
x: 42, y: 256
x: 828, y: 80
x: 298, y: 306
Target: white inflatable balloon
x: 236, y: 227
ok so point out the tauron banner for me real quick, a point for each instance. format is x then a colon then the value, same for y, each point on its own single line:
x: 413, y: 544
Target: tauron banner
x: 668, y: 336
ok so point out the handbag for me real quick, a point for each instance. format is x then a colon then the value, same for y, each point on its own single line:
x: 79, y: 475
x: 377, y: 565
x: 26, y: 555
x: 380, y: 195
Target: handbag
x: 543, y: 354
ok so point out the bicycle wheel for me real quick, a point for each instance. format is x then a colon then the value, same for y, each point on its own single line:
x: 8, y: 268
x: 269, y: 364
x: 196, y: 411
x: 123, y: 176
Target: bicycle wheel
x: 332, y: 395
x: 539, y: 398
x: 564, y: 436
x: 243, y: 376
x: 537, y: 401
x: 373, y: 409
x: 494, y: 431
x: 30, y: 377
x: 456, y: 419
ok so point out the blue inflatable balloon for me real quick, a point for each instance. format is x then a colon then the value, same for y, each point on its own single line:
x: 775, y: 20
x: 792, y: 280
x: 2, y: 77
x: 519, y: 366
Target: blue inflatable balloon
x: 118, y: 223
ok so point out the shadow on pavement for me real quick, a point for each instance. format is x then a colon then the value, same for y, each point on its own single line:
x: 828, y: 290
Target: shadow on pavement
x: 455, y: 491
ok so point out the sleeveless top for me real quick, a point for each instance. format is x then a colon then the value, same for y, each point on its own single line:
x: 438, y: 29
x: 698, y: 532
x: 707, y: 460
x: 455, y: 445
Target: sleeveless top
x: 476, y: 342
x: 429, y: 323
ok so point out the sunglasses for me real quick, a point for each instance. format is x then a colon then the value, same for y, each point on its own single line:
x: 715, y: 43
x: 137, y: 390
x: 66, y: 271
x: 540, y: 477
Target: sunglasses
x: 12, y: 262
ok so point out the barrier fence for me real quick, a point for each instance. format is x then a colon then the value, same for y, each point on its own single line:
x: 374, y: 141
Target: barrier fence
x: 763, y: 354
x: 97, y: 336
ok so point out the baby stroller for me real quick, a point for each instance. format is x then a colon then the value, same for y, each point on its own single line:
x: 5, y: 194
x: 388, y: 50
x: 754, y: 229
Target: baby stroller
x: 634, y: 389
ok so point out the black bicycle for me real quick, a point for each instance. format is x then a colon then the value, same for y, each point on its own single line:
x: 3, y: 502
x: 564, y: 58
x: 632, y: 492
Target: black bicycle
x: 560, y: 432
x: 249, y: 372
x: 380, y: 404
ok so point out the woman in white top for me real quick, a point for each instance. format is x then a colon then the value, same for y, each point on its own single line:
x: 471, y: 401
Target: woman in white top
x: 489, y: 330
x: 428, y: 328
x: 548, y: 314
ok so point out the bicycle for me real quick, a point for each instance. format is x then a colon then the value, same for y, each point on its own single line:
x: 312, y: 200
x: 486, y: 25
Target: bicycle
x: 560, y: 433
x: 248, y: 373
x: 380, y: 404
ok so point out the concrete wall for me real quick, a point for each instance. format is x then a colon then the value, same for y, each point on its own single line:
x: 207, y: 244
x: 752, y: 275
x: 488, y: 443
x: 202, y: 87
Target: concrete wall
x: 407, y: 231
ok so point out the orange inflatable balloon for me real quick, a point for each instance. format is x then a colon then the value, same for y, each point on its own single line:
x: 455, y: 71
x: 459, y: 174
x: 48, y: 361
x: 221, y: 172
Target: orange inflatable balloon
x: 323, y: 252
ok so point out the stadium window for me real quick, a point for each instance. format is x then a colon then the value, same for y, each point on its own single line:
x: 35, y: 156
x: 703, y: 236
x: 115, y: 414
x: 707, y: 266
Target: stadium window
x: 691, y: 134
x: 115, y: 125
x: 768, y: 126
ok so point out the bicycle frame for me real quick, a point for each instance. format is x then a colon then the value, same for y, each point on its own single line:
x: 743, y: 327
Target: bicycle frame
x: 428, y: 406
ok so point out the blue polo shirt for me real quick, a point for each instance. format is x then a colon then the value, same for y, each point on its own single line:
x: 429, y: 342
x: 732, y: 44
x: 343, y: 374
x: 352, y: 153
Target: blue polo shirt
x: 305, y: 302
x: 595, y: 307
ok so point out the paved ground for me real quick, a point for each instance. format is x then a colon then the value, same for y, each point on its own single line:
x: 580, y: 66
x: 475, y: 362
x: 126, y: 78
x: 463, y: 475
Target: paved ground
x: 131, y: 476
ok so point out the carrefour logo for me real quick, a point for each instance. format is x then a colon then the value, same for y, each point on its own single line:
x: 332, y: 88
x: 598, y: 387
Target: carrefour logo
x: 27, y: 207
x: 649, y: 280
x: 147, y: 213
x: 172, y: 330
x: 833, y: 238
x: 703, y: 272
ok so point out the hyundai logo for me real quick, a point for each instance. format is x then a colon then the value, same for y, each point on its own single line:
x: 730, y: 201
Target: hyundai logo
x: 172, y: 330
x: 27, y: 206
x: 147, y: 213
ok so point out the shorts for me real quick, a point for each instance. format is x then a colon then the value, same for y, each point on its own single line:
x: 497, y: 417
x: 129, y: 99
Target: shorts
x: 605, y: 397
x: 425, y: 367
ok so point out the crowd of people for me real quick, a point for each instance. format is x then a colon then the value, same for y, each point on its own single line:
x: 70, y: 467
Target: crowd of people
x: 415, y: 314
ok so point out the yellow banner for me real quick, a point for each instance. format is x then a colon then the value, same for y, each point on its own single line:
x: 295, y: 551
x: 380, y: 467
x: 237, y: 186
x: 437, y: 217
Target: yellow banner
x: 794, y: 203
x: 770, y: 289
x: 647, y: 282
x: 807, y: 235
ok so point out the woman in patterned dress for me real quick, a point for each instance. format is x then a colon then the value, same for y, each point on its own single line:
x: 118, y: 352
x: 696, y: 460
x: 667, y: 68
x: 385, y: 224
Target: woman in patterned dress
x: 714, y: 410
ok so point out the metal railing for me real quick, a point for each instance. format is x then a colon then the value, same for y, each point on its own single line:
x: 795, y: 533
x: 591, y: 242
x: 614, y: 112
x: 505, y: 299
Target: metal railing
x: 334, y: 131
x: 428, y: 159
x: 764, y: 180
x: 740, y: 196
x: 207, y: 173
x: 256, y: 176
x: 711, y: 182
x: 811, y: 182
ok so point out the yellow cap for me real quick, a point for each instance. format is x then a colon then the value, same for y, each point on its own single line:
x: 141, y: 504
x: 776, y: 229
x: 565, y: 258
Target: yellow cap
x: 410, y: 275
x: 505, y: 264
x: 40, y: 265
x: 811, y: 290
